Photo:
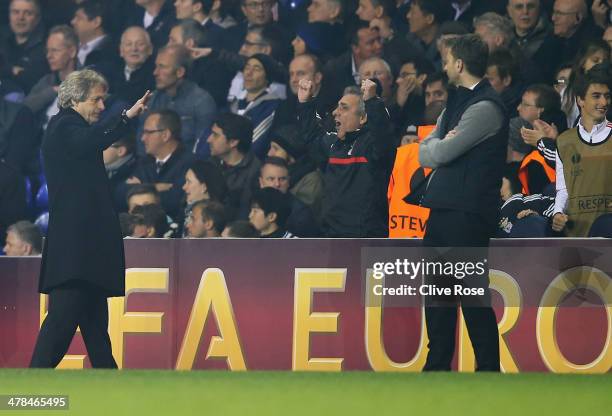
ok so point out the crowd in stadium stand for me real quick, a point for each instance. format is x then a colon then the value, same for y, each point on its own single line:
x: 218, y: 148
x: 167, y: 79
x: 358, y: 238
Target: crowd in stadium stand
x: 260, y: 124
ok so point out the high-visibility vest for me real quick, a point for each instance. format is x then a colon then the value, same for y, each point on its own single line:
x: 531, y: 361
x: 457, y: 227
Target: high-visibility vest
x: 424, y: 131
x: 534, y: 157
x: 406, y: 220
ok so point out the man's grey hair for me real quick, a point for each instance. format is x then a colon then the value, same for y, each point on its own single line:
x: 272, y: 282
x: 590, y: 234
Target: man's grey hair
x: 28, y: 233
x: 496, y: 24
x: 70, y: 37
x: 34, y: 3
x: 355, y: 90
x: 192, y: 29
x: 182, y: 57
x: 382, y: 61
x: 141, y: 30
x: 76, y: 87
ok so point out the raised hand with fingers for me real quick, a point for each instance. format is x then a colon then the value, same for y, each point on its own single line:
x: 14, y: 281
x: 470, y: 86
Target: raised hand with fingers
x: 368, y: 89
x: 139, y: 106
x: 305, y: 89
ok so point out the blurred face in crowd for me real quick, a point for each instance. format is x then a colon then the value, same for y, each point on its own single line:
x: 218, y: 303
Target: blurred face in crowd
x: 15, y: 246
x: 376, y: 69
x: 566, y: 17
x: 166, y: 73
x: 418, y: 20
x: 607, y: 36
x: 253, y: 43
x: 59, y: 55
x: 366, y: 10
x: 276, y: 150
x: 302, y: 67
x: 524, y: 14
x: 258, y: 12
x: 260, y: 220
x: 193, y: 188
x: 322, y: 11
x: 186, y: 9
x: 595, y: 104
x: 91, y: 108
x: 299, y: 46
x: 23, y: 17
x: 175, y: 37
x: 153, y: 137
x: 498, y: 83
x: 408, y: 74
x: 254, y: 76
x: 273, y: 176
x: 85, y: 29
x: 452, y: 67
x: 562, y: 79
x: 527, y: 108
x: 219, y: 144
x: 347, y: 115
x: 138, y: 200
x: 195, y: 226
x: 493, y: 40
x: 593, y: 59
x: 113, y: 153
x: 369, y: 44
x: 135, y: 47
x: 435, y: 93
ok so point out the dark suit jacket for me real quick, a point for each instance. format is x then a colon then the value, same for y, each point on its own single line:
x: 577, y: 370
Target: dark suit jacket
x: 140, y: 81
x: 213, y: 34
x: 173, y: 171
x: 339, y: 72
x: 84, y: 241
x: 160, y: 28
x: 105, y: 58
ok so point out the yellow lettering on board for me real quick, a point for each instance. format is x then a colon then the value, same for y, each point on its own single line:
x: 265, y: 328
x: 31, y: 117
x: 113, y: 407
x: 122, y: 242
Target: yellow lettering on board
x: 375, y: 348
x: 305, y: 321
x: 212, y: 294
x: 137, y: 280
x: 510, y: 292
x: 565, y: 283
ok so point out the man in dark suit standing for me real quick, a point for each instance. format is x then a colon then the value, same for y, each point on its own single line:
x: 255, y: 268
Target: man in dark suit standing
x: 80, y: 270
x: 466, y: 151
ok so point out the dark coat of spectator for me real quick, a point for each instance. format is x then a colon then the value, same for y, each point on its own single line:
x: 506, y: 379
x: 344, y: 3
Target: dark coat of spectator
x: 140, y: 81
x: 19, y: 136
x: 160, y: 28
x: 12, y: 197
x: 30, y: 56
x: 195, y: 106
x: 241, y: 181
x: 173, y: 172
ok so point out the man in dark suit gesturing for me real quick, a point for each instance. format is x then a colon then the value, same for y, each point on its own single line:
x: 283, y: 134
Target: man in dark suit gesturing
x: 80, y: 269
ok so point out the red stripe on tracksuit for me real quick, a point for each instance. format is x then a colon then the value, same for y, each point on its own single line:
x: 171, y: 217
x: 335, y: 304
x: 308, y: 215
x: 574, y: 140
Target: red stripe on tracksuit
x: 349, y: 161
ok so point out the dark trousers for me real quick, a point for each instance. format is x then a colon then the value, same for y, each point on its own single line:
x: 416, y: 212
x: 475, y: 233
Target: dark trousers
x: 450, y: 228
x: 71, y: 306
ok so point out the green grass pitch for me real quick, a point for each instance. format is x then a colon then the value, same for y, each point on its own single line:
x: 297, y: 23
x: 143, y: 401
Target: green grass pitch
x: 136, y: 393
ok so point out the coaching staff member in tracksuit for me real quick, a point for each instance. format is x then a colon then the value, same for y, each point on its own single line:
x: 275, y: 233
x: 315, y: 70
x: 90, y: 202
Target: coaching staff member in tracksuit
x: 359, y: 157
x: 467, y: 152
x: 82, y: 261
